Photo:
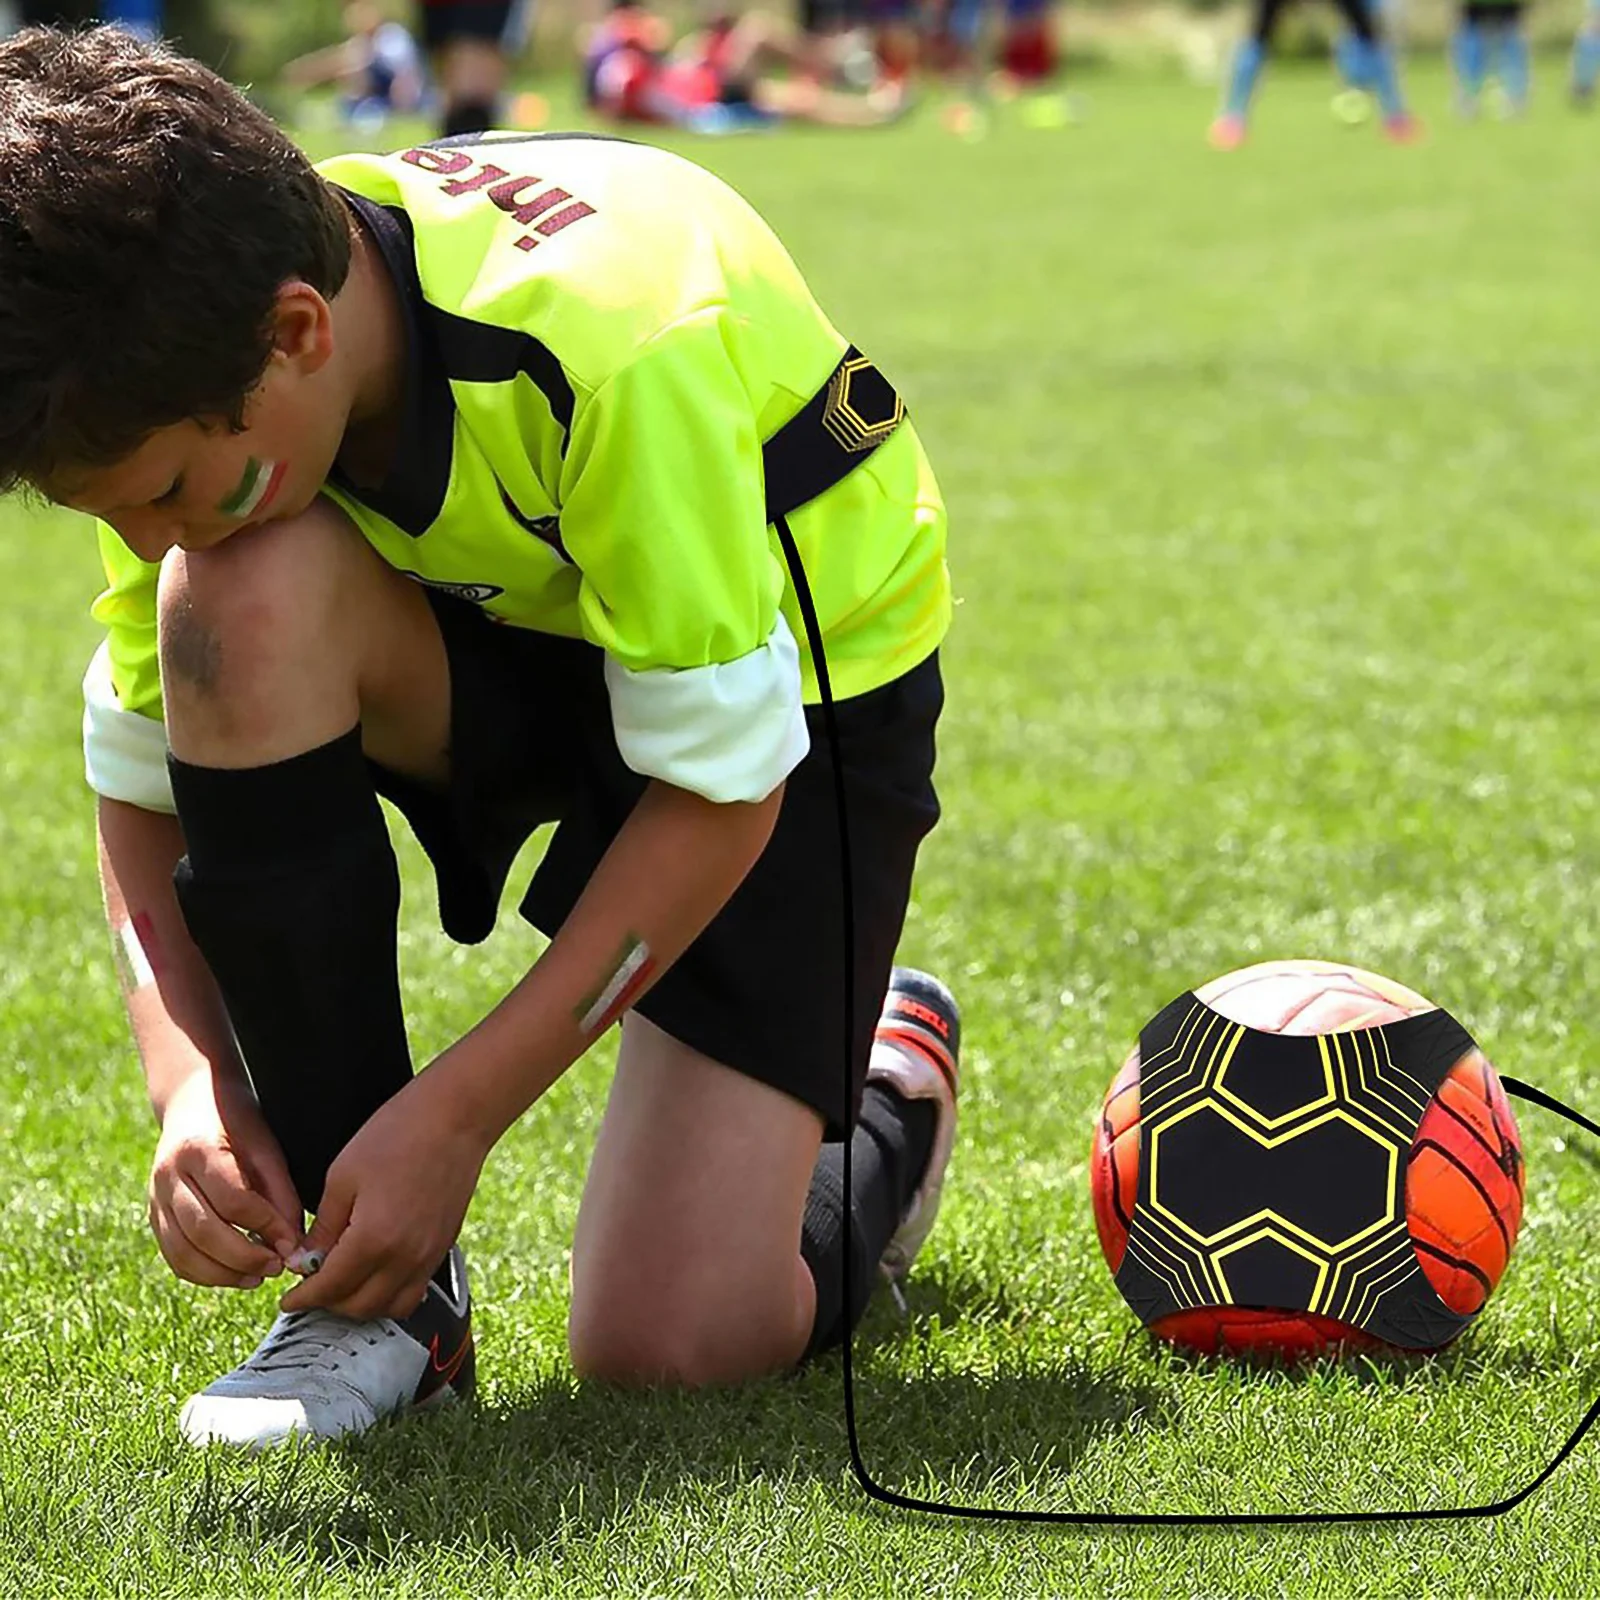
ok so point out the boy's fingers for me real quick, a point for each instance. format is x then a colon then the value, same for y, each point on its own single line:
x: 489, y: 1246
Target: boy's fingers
x: 345, y: 1270
x: 391, y: 1294
x: 190, y: 1264
x: 385, y: 1294
x: 279, y: 1188
x: 211, y: 1236
x: 268, y: 1175
x: 244, y: 1208
x: 373, y: 1279
x: 326, y: 1230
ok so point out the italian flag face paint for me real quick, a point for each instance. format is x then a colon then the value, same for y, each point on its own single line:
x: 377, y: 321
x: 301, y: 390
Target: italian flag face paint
x: 257, y: 486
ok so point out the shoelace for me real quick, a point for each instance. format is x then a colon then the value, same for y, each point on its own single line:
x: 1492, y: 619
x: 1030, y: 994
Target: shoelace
x: 302, y: 1338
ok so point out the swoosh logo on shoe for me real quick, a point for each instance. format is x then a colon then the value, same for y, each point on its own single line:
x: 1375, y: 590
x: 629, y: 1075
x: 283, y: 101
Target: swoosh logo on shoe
x: 449, y: 1368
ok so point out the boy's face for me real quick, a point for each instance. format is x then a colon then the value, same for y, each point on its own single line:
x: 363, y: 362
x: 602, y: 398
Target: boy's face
x: 193, y: 484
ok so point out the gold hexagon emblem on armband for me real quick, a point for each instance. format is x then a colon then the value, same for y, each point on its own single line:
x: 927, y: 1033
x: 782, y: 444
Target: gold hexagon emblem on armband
x: 858, y: 398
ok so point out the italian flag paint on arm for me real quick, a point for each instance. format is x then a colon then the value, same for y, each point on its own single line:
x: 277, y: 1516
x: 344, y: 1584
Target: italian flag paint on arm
x: 631, y: 971
x: 257, y: 486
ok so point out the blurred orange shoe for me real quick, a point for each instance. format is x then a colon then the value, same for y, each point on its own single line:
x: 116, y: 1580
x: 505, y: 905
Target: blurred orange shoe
x: 965, y: 120
x: 1404, y: 129
x: 1227, y: 132
x: 529, y: 111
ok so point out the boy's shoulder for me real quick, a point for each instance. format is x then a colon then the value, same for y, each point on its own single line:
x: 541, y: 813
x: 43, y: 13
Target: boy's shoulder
x: 593, y: 245
x: 486, y: 186
x: 563, y: 198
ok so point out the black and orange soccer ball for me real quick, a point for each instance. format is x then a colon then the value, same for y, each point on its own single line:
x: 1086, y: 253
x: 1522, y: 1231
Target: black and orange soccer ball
x: 1464, y: 1181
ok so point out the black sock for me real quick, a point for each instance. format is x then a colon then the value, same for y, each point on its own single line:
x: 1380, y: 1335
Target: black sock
x: 888, y: 1154
x: 291, y: 892
x: 472, y: 116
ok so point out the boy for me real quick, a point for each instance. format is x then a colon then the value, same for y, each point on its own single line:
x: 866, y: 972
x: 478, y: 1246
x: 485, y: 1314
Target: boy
x: 715, y: 79
x: 1586, y: 57
x: 464, y: 475
x: 1490, y: 39
x: 467, y: 44
x: 1364, y: 57
x: 377, y: 66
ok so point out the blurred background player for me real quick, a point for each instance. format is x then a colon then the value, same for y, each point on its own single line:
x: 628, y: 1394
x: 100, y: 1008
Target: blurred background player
x: 1027, y: 53
x: 835, y: 45
x: 1365, y: 58
x: 955, y: 55
x: 719, y: 79
x: 1352, y: 103
x: 467, y: 47
x: 1026, y: 61
x: 1489, y: 50
x: 621, y: 55
x: 897, y: 39
x: 378, y: 68
x: 1586, y: 58
x: 1029, y: 64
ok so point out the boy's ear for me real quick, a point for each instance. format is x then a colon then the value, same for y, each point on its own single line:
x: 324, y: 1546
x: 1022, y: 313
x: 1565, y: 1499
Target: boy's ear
x: 302, y: 326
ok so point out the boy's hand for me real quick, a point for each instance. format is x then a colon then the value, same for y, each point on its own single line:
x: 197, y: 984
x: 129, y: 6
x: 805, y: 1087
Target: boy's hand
x: 219, y: 1175
x: 391, y: 1208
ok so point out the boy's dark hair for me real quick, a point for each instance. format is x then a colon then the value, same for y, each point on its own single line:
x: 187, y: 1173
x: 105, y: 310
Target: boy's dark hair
x: 148, y: 215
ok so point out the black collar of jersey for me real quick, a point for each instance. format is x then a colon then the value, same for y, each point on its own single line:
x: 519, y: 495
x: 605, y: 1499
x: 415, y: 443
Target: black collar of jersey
x: 413, y: 491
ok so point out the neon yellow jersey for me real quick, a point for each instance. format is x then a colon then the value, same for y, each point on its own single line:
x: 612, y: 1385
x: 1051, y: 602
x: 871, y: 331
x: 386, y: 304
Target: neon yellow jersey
x: 602, y: 336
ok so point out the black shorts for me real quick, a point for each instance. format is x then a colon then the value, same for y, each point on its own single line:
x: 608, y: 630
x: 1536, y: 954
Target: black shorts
x: 762, y: 989
x: 444, y: 20
x: 829, y: 16
x: 1357, y: 17
x: 1504, y: 14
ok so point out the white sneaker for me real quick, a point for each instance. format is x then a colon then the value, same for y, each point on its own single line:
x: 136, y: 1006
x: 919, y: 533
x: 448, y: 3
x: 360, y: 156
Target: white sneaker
x: 917, y: 1053
x: 324, y: 1375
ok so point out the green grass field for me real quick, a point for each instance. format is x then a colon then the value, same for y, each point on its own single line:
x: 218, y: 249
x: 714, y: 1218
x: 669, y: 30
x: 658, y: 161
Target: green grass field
x: 1276, y: 526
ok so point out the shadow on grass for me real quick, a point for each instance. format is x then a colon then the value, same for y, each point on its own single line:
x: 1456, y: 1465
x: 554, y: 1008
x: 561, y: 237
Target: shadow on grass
x: 559, y: 1461
x: 1479, y: 1358
x: 1584, y: 1149
x: 540, y: 1469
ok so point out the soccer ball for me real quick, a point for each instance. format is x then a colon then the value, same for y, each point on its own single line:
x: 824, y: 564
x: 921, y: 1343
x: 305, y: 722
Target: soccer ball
x: 1352, y: 107
x: 1464, y: 1183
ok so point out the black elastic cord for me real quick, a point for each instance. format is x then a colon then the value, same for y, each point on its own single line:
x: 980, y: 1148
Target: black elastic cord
x: 1526, y: 1091
x: 830, y: 723
x: 1102, y: 1519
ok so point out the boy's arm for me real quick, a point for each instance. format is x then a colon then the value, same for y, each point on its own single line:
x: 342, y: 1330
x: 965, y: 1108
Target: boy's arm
x: 327, y: 65
x: 396, y: 1195
x: 217, y: 1168
x: 177, y: 1015
x: 670, y: 870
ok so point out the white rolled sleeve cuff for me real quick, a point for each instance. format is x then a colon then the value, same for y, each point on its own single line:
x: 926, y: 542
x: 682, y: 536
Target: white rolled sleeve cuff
x: 731, y: 731
x: 124, y: 753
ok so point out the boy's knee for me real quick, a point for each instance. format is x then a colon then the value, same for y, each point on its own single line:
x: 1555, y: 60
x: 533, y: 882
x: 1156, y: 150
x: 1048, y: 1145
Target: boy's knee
x: 264, y: 596
x: 224, y: 612
x: 259, y: 639
x: 190, y: 643
x: 687, y: 1343
x: 626, y: 1343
